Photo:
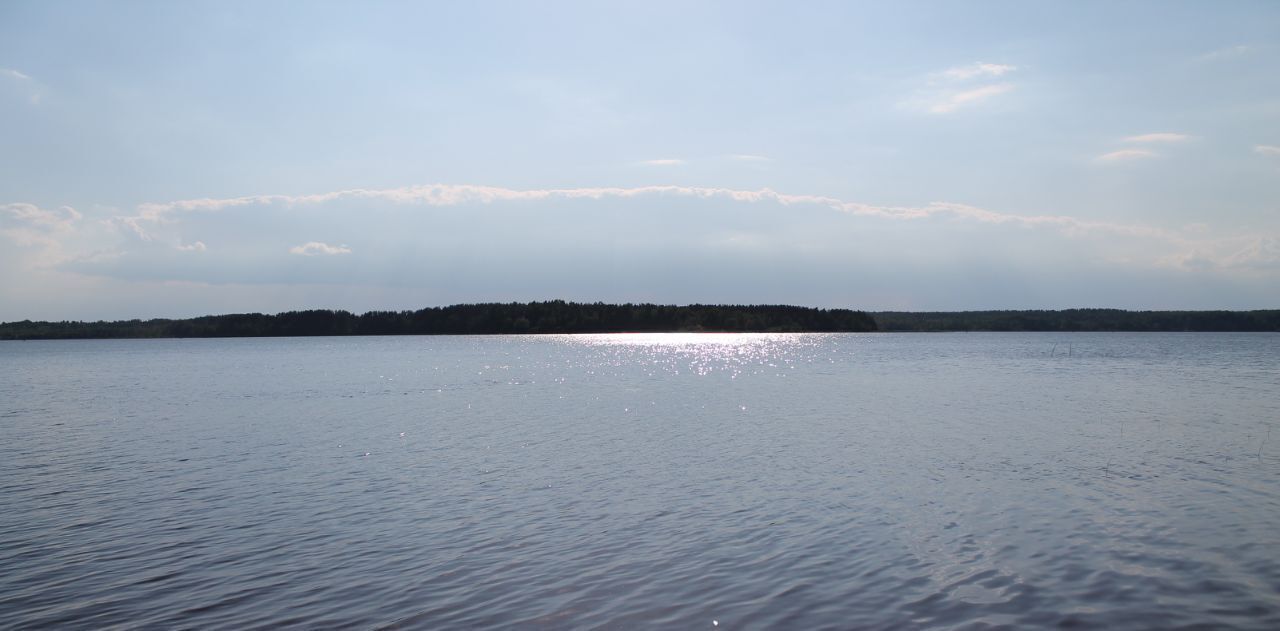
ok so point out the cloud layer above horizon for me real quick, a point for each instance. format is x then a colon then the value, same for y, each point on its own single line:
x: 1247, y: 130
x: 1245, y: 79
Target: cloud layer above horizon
x: 438, y: 244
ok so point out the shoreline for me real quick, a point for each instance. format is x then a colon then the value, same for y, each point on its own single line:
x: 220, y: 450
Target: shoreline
x: 558, y: 317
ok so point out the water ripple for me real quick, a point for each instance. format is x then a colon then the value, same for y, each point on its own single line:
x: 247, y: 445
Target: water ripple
x: 726, y: 482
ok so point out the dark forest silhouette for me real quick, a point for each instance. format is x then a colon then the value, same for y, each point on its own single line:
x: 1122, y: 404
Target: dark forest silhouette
x: 1079, y: 320
x: 558, y: 316
x: 555, y: 316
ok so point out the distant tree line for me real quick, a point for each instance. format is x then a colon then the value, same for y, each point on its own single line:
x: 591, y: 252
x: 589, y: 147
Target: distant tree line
x: 1079, y: 320
x: 556, y: 316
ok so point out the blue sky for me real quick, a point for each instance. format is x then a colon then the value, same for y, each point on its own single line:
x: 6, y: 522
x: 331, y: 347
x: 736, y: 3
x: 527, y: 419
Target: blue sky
x: 176, y: 159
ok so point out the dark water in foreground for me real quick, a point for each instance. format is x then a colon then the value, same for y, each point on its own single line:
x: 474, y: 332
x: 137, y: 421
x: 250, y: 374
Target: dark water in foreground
x: 672, y: 481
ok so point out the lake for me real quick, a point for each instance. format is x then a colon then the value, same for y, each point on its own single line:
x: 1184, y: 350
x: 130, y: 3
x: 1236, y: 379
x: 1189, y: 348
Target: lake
x: 695, y: 481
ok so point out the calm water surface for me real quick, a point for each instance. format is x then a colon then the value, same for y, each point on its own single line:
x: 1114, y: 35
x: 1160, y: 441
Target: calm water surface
x: 652, y: 481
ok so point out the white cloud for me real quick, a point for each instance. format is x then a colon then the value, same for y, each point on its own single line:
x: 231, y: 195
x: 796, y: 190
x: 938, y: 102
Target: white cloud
x: 61, y: 218
x: 313, y: 248
x: 499, y: 242
x: 458, y: 194
x: 961, y: 86
x: 1253, y: 254
x: 1226, y: 53
x: 28, y: 225
x: 25, y: 84
x: 955, y: 100
x: 1262, y: 253
x: 1125, y: 155
x: 977, y: 69
x: 133, y: 224
x: 1158, y: 137
x: 13, y: 74
x: 662, y: 162
x: 1267, y: 150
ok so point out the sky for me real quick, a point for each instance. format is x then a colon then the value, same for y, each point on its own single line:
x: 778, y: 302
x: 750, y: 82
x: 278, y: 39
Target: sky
x: 173, y: 159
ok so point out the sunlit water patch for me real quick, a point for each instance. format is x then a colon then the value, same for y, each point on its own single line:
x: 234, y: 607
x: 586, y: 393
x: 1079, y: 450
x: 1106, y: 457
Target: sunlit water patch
x: 685, y: 480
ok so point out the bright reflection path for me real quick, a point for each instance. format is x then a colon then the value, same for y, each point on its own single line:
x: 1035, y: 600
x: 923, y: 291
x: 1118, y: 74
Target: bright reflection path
x: 702, y: 353
x: 683, y: 339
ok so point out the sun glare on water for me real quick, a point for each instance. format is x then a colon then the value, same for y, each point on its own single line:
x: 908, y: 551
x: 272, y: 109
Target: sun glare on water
x: 702, y: 353
x: 679, y: 339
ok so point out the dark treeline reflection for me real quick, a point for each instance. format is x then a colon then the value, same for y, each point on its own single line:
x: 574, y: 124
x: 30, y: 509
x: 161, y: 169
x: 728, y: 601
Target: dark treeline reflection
x: 1079, y: 320
x: 556, y: 316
